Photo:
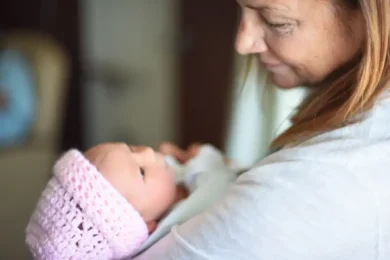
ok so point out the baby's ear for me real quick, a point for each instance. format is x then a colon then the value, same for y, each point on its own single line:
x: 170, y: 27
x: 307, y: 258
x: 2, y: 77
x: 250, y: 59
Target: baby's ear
x: 152, y: 225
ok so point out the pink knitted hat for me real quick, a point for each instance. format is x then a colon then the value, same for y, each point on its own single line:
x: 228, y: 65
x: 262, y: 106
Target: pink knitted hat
x: 81, y: 216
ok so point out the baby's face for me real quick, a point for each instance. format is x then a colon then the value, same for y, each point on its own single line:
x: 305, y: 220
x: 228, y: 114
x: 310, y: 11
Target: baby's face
x: 137, y: 173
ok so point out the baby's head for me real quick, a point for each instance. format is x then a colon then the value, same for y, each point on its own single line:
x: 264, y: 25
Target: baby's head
x: 139, y: 174
x: 101, y: 204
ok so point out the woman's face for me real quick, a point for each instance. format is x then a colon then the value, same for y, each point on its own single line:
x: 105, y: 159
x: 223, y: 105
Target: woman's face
x: 299, y: 42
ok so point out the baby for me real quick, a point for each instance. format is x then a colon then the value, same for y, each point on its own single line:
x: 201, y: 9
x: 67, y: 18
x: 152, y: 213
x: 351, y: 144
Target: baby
x: 105, y: 203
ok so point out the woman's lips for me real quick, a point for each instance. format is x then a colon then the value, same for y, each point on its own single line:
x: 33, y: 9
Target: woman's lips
x: 272, y: 67
x: 270, y: 64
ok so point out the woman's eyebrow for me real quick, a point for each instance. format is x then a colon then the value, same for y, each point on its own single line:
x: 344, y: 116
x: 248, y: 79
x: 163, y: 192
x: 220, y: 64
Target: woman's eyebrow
x: 277, y: 7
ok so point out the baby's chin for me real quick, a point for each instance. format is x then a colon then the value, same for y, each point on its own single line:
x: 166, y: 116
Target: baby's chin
x: 156, y: 218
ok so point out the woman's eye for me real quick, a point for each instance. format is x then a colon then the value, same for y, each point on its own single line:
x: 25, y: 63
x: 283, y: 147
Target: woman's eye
x: 142, y: 171
x: 277, y: 25
x: 280, y: 27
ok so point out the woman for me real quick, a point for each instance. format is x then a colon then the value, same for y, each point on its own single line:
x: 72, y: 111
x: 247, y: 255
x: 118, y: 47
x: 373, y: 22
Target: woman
x: 324, y: 194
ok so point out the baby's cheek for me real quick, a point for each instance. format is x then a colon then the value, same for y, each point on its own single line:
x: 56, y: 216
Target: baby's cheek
x: 162, y: 191
x: 140, y: 201
x: 171, y: 189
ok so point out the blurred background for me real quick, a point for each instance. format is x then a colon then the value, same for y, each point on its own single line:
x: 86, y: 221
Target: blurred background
x: 74, y: 73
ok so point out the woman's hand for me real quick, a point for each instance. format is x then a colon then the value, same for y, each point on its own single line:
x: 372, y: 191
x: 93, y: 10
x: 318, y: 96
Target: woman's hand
x: 168, y: 148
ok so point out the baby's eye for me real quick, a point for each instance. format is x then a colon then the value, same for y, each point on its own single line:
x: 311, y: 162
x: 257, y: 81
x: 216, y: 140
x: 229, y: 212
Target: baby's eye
x: 142, y: 171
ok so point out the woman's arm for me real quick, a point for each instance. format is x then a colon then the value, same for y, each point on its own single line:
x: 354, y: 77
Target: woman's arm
x: 282, y: 209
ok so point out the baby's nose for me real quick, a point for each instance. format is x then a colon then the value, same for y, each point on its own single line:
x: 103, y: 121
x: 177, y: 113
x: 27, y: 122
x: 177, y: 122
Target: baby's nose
x: 144, y: 150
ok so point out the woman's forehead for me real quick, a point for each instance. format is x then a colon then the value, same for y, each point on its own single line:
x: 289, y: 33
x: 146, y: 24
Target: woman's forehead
x: 297, y: 9
x: 286, y: 5
x: 294, y: 6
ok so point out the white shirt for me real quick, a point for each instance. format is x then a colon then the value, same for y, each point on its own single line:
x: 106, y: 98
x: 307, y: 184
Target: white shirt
x: 325, y: 199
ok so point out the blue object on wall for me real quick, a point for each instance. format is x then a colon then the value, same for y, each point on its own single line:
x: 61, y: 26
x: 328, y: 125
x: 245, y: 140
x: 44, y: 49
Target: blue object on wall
x: 17, y: 86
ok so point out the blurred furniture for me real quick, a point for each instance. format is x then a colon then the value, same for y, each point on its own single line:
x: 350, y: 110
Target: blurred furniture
x: 17, y: 89
x: 25, y: 169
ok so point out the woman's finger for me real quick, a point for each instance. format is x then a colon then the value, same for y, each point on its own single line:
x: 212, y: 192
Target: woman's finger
x: 193, y: 149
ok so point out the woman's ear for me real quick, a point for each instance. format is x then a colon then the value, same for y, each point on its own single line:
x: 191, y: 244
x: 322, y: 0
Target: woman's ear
x: 152, y: 225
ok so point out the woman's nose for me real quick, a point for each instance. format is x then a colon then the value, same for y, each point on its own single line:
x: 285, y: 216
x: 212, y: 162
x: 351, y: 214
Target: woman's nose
x: 250, y: 36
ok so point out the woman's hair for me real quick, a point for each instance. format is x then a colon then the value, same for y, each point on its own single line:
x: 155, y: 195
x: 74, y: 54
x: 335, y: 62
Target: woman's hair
x: 357, y: 89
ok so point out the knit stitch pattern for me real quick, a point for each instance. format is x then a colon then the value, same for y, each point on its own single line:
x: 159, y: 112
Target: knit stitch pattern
x: 81, y: 216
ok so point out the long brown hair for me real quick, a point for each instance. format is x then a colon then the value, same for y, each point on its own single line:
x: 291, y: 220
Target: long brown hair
x: 356, y: 90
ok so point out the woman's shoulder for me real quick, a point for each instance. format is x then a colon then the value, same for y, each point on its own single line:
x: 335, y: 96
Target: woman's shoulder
x: 355, y: 156
x: 358, y: 147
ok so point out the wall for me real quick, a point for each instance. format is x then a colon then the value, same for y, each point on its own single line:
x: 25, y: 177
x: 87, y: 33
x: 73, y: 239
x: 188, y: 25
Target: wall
x: 135, y: 38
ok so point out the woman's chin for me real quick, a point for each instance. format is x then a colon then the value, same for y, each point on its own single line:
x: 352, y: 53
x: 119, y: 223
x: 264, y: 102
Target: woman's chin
x: 284, y: 81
